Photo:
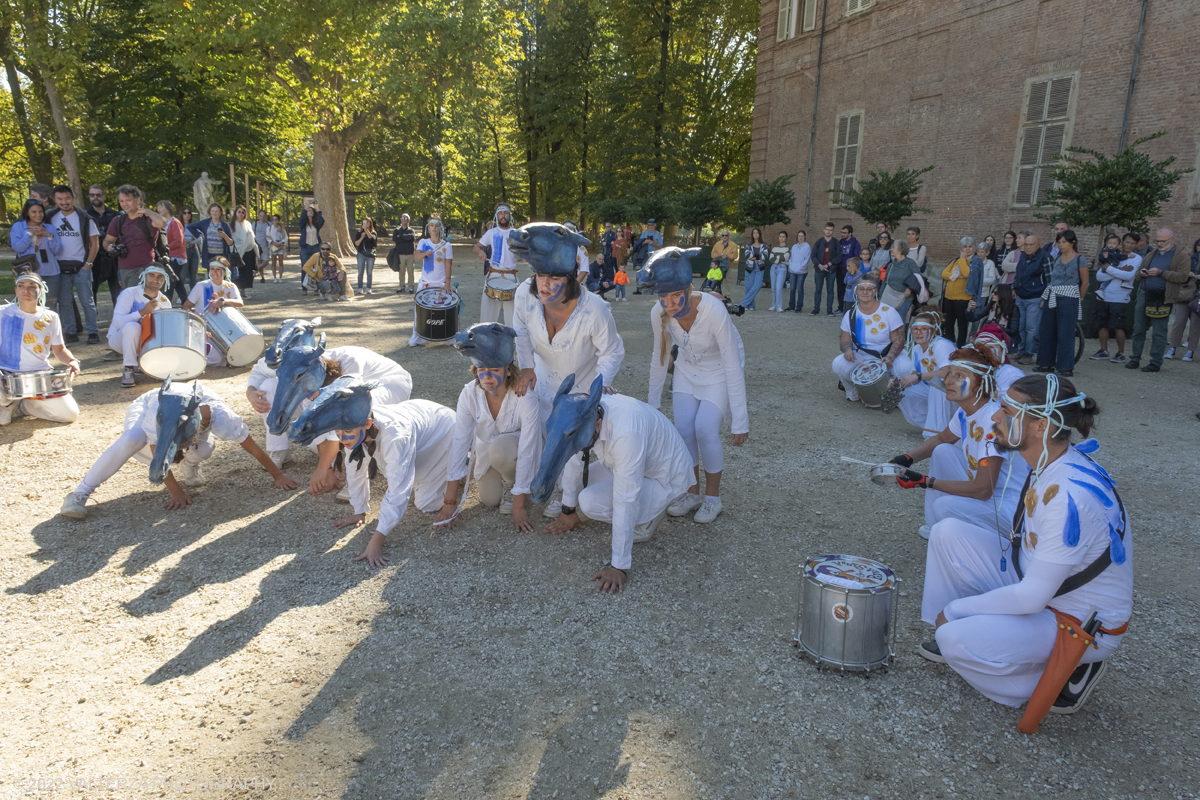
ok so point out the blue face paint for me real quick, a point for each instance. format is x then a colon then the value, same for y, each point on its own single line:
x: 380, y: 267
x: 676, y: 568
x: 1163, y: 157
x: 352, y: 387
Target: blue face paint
x: 684, y: 307
x: 561, y: 287
x: 494, y: 374
x: 351, y: 440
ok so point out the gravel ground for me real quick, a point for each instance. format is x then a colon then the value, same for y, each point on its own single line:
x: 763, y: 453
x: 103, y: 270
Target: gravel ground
x: 235, y: 644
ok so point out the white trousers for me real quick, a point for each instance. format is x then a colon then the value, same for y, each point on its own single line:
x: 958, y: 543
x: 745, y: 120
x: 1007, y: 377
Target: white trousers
x: 927, y: 408
x: 699, y: 423
x: 51, y: 409
x: 429, y: 479
x: 490, y: 310
x: 1002, y: 656
x: 212, y: 355
x: 126, y: 340
x: 596, y: 501
x: 503, y: 455
x: 844, y: 370
x: 949, y: 463
x: 133, y: 443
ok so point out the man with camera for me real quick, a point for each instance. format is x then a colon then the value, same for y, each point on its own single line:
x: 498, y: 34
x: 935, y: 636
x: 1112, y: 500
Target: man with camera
x: 104, y: 268
x: 133, y: 235
x: 80, y: 241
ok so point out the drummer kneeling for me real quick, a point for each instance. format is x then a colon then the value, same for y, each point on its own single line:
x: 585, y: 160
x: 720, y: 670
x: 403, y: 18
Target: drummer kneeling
x: 870, y: 330
x: 999, y: 622
x: 211, y: 296
x: 173, y: 426
x: 29, y: 332
x: 133, y: 304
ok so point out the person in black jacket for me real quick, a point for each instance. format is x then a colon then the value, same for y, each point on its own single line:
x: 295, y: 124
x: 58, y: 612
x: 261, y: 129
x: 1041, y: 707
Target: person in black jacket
x: 105, y: 268
x: 404, y: 239
x: 1000, y: 308
x: 827, y: 258
x: 602, y: 275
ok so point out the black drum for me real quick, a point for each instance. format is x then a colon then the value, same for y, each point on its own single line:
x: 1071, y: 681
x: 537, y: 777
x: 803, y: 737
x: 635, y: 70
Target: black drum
x: 437, y: 314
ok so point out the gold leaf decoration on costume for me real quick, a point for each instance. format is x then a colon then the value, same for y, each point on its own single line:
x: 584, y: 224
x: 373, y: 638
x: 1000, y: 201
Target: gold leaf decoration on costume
x: 46, y: 339
x: 39, y: 325
x: 29, y: 338
x: 876, y: 318
x: 1031, y: 540
x: 1031, y: 500
x: 37, y: 348
x: 1051, y: 493
x: 972, y: 462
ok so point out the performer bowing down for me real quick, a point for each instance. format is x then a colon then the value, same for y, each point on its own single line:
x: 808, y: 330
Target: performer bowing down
x: 709, y: 386
x: 171, y: 429
x: 998, y: 611
x: 997, y: 341
x: 562, y: 329
x: 641, y: 465
x: 502, y: 430
x: 969, y: 479
x: 29, y: 333
x: 411, y: 444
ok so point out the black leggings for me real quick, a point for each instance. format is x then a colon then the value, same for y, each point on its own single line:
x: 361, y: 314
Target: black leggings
x: 246, y: 263
x: 955, y: 313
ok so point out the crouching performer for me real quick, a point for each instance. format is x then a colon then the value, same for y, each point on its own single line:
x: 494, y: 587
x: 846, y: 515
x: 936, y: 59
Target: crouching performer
x: 29, y: 333
x: 411, y: 443
x: 168, y: 429
x: 1037, y: 622
x: 503, y: 430
x: 641, y: 466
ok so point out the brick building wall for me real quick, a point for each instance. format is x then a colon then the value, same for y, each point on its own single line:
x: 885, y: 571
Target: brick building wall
x: 948, y: 83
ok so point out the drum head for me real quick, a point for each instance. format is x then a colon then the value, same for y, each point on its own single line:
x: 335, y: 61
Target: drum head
x: 868, y: 372
x: 178, y: 363
x: 850, y: 572
x: 436, y: 299
x: 245, y: 350
x: 501, y: 284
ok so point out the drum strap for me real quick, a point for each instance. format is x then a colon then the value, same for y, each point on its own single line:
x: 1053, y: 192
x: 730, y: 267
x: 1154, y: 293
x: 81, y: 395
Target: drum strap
x: 1088, y: 573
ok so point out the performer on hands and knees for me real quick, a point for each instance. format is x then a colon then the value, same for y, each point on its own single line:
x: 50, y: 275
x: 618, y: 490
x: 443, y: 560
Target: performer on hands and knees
x: 410, y: 441
x: 870, y: 329
x: 709, y: 386
x: 29, y: 333
x: 928, y: 352
x: 561, y: 328
x: 997, y: 341
x: 1013, y: 616
x: 503, y: 430
x: 641, y: 465
x: 171, y: 429
x: 969, y: 479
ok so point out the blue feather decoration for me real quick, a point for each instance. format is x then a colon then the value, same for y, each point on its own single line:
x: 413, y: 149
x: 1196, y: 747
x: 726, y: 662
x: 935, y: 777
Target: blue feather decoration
x: 1116, y: 546
x: 1096, y: 492
x: 1088, y: 446
x: 1094, y: 470
x: 1072, y: 529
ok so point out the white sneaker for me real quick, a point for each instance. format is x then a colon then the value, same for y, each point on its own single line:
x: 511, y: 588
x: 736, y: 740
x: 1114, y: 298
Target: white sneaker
x: 643, y: 532
x: 74, y: 506
x: 710, y: 509
x: 1188, y: 355
x: 189, y: 474
x: 280, y: 457
x: 343, y: 495
x: 684, y: 504
x: 1170, y: 353
x: 7, y: 411
x: 924, y: 531
x: 506, y: 502
x: 370, y: 291
x: 554, y: 506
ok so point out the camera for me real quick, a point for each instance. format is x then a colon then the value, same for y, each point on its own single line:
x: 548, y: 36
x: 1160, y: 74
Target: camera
x: 733, y: 309
x: 120, y: 250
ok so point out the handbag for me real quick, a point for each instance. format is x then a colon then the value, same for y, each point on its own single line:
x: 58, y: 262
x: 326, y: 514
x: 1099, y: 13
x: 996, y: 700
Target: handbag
x: 29, y: 261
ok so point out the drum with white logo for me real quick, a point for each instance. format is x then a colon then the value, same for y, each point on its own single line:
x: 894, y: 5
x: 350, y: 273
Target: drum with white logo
x: 847, y: 615
x: 437, y: 314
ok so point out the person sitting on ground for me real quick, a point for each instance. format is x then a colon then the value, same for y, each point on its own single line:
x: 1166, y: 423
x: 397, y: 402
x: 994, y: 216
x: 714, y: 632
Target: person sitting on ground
x: 1001, y: 310
x: 29, y: 333
x: 134, y: 304
x: 921, y: 374
x: 212, y: 296
x: 870, y: 329
x: 1000, y: 613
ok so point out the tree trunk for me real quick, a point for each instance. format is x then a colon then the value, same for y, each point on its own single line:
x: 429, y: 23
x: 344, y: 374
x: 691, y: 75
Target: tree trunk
x: 330, y: 149
x: 583, y: 161
x: 664, y: 36
x: 499, y: 160
x: 39, y: 163
x: 64, y: 134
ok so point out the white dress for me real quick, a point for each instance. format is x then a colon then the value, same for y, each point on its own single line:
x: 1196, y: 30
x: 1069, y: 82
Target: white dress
x: 475, y: 430
x: 711, y: 362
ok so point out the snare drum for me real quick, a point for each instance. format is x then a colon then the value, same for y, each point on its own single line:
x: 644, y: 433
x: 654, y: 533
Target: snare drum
x: 871, y: 378
x: 847, y: 614
x: 239, y: 341
x: 437, y: 314
x: 499, y: 286
x: 40, y: 385
x: 175, y: 348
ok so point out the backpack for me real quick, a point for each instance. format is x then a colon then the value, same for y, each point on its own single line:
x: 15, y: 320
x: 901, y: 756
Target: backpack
x: 923, y: 292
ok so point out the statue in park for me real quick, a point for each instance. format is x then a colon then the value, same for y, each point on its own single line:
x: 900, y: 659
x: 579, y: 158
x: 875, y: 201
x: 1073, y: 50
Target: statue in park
x: 202, y: 193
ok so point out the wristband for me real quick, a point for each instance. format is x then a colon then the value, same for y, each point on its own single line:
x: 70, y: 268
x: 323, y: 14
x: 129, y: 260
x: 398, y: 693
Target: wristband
x: 609, y: 565
x: 569, y: 510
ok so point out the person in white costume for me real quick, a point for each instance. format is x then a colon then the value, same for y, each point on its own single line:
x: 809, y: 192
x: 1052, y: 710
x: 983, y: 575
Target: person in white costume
x: 504, y: 431
x: 134, y: 303
x: 924, y: 369
x: 211, y: 296
x: 411, y: 443
x: 1007, y: 373
x: 436, y: 267
x: 870, y: 329
x: 969, y: 479
x: 29, y: 333
x: 997, y: 603
x: 562, y: 329
x: 641, y: 465
x: 169, y: 429
x: 493, y: 248
x: 583, y: 267
x: 709, y: 384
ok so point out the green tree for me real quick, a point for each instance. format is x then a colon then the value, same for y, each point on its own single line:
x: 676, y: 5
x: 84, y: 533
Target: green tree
x: 886, y: 197
x: 1126, y: 190
x: 696, y: 209
x: 767, y: 202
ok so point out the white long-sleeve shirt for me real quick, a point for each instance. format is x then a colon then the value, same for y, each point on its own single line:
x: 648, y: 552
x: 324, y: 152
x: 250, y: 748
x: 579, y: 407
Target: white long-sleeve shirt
x: 369, y: 365
x: 710, y: 353
x: 475, y: 429
x: 588, y: 345
x: 1116, y: 283
x: 130, y: 303
x: 406, y: 430
x: 638, y: 442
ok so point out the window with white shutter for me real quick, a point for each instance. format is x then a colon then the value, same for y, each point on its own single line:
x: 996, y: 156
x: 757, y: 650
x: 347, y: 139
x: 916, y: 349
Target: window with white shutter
x: 810, y: 15
x: 785, y: 25
x: 847, y: 144
x: 1045, y: 134
x: 855, y: 6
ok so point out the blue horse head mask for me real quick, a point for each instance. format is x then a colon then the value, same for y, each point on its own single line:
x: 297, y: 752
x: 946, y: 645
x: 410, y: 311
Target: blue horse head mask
x: 570, y: 428
x: 301, y: 374
x: 548, y: 248
x: 341, y: 406
x: 291, y: 333
x: 178, y: 421
x: 668, y: 269
x: 489, y: 345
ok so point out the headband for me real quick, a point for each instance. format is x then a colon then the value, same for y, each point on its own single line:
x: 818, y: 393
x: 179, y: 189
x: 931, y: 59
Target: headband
x: 42, y: 288
x: 1048, y: 410
x: 160, y: 271
x: 987, y: 386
